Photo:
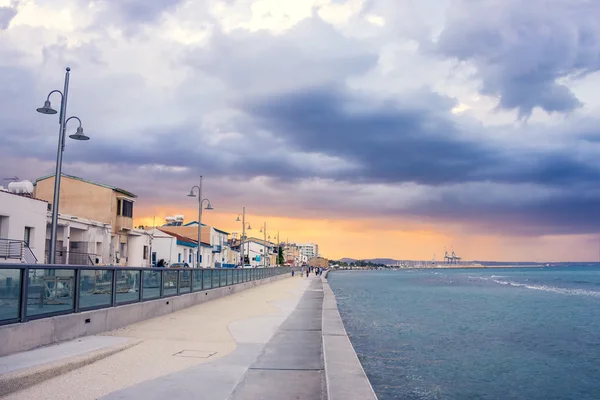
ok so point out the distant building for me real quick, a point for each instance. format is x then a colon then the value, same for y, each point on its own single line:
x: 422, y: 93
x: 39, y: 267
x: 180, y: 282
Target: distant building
x: 107, y: 204
x: 219, y: 252
x: 257, y: 252
x: 309, y: 250
x: 318, y: 262
x: 22, y: 228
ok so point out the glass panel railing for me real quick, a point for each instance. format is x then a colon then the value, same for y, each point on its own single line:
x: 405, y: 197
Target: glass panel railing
x: 128, y: 286
x: 223, y: 278
x: 10, y: 294
x: 185, y: 281
x: 50, y: 291
x: 197, y: 275
x: 236, y: 276
x: 170, y: 282
x: 229, y: 277
x: 207, y: 279
x: 95, y: 288
x: 152, y: 284
x: 216, y: 278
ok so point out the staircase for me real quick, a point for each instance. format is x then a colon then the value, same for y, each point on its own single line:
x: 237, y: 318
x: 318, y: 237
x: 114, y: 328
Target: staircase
x: 17, y: 251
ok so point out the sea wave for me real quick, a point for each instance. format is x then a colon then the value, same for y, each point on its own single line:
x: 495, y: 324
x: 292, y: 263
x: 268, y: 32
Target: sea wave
x: 544, y: 288
x: 553, y: 289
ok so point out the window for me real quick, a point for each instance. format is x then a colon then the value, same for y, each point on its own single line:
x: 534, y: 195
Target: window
x: 27, y: 238
x: 146, y: 252
x: 190, y: 257
x: 127, y: 208
x: 118, y: 206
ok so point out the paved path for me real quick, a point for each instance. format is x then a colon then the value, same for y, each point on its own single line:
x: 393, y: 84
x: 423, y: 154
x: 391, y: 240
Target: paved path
x: 291, y: 364
x: 205, y: 351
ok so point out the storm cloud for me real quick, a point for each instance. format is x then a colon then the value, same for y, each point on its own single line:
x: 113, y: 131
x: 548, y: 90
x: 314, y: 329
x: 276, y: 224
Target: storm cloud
x: 461, y: 112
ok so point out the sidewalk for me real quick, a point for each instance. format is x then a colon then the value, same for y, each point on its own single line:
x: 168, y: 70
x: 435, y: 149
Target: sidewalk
x: 200, y: 352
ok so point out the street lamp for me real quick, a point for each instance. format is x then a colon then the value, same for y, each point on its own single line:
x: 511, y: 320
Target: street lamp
x: 208, y: 207
x: 79, y: 135
x: 264, y: 232
x: 244, y: 223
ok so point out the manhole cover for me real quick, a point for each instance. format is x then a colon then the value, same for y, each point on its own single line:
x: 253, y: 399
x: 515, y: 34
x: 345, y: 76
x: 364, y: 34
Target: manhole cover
x: 195, y: 353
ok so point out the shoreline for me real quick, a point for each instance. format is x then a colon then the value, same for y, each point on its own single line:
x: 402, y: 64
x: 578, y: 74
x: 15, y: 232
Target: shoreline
x: 345, y: 377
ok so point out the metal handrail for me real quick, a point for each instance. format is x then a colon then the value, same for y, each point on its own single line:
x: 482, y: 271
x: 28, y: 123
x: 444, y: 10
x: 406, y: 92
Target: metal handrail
x: 51, y: 289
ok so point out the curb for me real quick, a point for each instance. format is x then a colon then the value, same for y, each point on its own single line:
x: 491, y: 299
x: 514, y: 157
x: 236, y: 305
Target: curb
x: 344, y: 374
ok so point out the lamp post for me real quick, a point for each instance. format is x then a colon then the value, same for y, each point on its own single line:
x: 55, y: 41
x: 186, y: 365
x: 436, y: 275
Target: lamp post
x: 208, y: 207
x: 244, y: 223
x: 79, y: 135
x: 264, y: 231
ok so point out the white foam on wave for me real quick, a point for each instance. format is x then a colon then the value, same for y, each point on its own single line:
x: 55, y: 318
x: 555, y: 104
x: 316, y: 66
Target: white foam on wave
x: 544, y: 288
x: 553, y: 289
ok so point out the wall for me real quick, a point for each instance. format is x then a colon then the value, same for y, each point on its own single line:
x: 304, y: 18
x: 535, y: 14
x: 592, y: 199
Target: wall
x: 79, y: 198
x: 41, y: 332
x: 93, y: 237
x: 21, y: 212
x: 135, y: 250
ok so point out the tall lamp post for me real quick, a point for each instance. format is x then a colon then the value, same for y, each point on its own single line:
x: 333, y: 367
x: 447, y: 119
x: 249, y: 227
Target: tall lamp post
x: 79, y: 135
x: 264, y: 231
x: 208, y: 207
x: 244, y: 223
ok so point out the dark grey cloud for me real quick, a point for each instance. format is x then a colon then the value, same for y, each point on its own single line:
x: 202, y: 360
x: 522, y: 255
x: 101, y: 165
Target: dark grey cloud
x: 399, y: 142
x: 522, y: 50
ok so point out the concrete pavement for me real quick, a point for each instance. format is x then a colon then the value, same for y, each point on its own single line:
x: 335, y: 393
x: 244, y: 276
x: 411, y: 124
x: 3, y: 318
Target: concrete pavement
x: 284, y: 340
x: 172, y: 346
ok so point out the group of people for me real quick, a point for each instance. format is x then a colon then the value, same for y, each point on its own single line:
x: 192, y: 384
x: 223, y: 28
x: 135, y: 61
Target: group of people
x: 307, y: 270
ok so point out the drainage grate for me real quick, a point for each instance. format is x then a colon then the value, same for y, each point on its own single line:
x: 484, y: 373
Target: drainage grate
x: 195, y: 353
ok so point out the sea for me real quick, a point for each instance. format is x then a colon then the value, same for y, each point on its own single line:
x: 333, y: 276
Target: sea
x: 493, y: 333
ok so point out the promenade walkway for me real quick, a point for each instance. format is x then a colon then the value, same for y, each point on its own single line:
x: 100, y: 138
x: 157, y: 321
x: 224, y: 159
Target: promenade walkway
x: 201, y: 352
x: 262, y: 343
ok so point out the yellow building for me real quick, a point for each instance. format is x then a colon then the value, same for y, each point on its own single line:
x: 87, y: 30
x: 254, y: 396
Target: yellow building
x: 318, y: 262
x: 103, y: 203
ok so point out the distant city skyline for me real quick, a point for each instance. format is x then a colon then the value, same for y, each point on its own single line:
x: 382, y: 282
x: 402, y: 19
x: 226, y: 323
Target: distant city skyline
x: 375, y: 128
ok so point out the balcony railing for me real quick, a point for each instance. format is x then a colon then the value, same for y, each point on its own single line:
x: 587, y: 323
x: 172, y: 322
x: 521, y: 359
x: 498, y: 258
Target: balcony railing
x: 217, y: 248
x: 31, y: 291
x: 16, y: 250
x: 64, y: 257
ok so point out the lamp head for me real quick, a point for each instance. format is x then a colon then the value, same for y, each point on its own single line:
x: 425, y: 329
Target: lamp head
x: 79, y: 135
x: 261, y: 229
x: 47, y: 109
x: 238, y: 219
x: 191, y: 193
x: 209, y: 206
x: 249, y: 227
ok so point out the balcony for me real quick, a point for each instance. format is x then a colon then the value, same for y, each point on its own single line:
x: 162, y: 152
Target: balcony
x: 217, y: 248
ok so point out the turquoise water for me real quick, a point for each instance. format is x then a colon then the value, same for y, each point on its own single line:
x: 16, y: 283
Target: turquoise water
x: 531, y: 333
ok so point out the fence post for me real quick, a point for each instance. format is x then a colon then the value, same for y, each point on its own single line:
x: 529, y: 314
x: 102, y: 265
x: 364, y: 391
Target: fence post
x: 114, y: 288
x: 141, y: 284
x: 24, y: 286
x: 76, y: 290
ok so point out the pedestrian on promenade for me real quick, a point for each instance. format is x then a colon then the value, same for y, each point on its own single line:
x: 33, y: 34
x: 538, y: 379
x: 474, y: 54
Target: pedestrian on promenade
x: 292, y: 272
x: 307, y: 272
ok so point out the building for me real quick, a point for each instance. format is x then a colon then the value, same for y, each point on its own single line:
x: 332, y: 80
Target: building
x: 175, y: 248
x: 22, y: 227
x: 259, y: 253
x: 318, y: 262
x: 103, y: 203
x: 85, y: 242
x: 292, y: 255
x: 219, y: 253
x: 309, y: 250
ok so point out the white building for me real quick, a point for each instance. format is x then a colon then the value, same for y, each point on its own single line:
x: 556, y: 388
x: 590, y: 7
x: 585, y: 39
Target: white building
x: 219, y: 253
x: 256, y: 249
x: 139, y: 243
x: 309, y: 250
x: 80, y: 241
x: 22, y: 228
x: 172, y: 248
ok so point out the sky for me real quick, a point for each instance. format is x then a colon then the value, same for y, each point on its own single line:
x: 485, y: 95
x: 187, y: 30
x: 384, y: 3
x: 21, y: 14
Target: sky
x: 375, y: 128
